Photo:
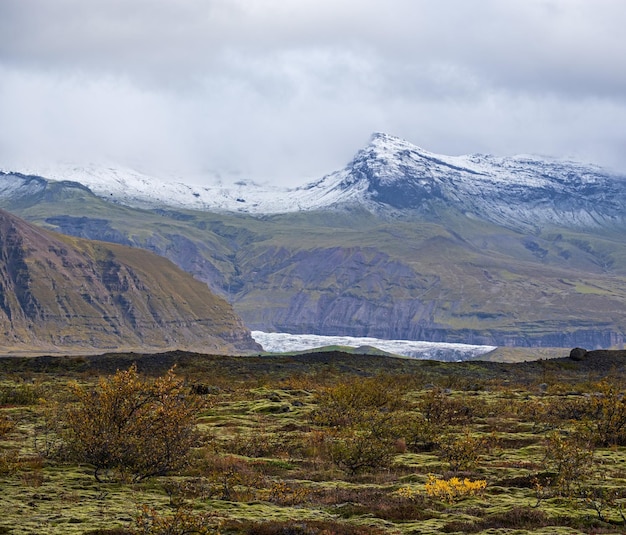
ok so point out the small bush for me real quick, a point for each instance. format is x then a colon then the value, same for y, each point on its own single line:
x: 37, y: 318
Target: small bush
x: 571, y: 459
x: 182, y: 522
x: 132, y: 426
x: 281, y: 493
x: 553, y: 412
x: 356, y: 451
x: 464, y: 451
x: 453, y: 489
x: 606, y: 410
x: 345, y: 404
x: 442, y: 409
x: 418, y: 433
x: 228, y: 477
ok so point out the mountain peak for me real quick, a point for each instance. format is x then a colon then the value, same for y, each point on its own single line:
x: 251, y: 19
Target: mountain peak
x: 391, y: 143
x: 388, y: 174
x: 381, y: 138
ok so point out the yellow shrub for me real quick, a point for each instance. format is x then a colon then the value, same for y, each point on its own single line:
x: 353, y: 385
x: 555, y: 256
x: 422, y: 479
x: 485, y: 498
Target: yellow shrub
x: 408, y: 493
x: 453, y: 489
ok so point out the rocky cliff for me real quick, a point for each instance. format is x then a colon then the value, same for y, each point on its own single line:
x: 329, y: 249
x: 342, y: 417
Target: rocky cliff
x: 61, y: 293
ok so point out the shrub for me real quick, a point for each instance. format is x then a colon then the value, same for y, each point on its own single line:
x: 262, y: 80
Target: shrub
x: 605, y: 501
x: 441, y: 409
x: 281, y: 493
x: 182, y: 522
x: 357, y: 451
x: 453, y: 489
x: 464, y: 451
x: 131, y: 426
x: 553, y: 411
x: 571, y: 458
x: 606, y: 410
x: 228, y: 477
x: 345, y: 404
x: 418, y: 433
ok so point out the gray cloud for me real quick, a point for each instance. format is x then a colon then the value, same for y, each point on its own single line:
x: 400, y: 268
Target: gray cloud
x: 287, y: 90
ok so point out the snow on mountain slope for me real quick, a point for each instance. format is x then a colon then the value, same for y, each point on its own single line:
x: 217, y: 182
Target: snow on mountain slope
x: 520, y: 190
x: 388, y: 174
x: 127, y: 186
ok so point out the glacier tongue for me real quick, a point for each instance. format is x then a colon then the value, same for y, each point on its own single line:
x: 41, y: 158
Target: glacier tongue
x: 284, y: 342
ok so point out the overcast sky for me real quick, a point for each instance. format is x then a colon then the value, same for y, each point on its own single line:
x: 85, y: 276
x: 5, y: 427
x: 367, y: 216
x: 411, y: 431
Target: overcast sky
x: 289, y: 90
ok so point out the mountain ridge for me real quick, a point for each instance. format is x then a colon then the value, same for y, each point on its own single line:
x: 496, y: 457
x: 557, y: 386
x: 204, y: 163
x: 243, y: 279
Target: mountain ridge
x: 388, y: 175
x: 58, y: 292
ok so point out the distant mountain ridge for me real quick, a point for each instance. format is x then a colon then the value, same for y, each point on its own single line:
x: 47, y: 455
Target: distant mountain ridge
x: 399, y: 244
x: 60, y: 293
x: 388, y: 175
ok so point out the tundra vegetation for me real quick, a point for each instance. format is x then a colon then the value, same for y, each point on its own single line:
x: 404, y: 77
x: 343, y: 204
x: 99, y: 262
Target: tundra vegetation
x: 330, y: 444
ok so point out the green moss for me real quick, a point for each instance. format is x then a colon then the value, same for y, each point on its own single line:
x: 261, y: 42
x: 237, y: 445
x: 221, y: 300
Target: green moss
x: 587, y: 289
x: 295, y: 481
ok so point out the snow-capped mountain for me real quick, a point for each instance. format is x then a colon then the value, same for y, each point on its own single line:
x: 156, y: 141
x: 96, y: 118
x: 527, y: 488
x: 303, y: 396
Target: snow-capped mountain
x: 388, y: 174
x: 130, y: 187
x: 393, y: 173
x: 432, y: 260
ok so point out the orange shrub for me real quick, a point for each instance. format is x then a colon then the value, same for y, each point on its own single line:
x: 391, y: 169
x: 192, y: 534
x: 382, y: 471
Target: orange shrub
x: 131, y: 426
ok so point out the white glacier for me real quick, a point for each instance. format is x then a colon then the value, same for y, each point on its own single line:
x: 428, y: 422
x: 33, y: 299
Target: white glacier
x: 284, y: 342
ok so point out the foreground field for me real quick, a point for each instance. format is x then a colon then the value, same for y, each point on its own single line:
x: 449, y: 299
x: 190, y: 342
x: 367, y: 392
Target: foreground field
x: 329, y: 444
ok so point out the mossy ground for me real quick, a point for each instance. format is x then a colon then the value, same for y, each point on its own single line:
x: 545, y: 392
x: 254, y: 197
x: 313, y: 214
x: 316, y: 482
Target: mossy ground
x: 263, y: 463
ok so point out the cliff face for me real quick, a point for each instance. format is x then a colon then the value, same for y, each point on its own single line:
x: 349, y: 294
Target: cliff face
x: 363, y: 291
x: 59, y: 292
